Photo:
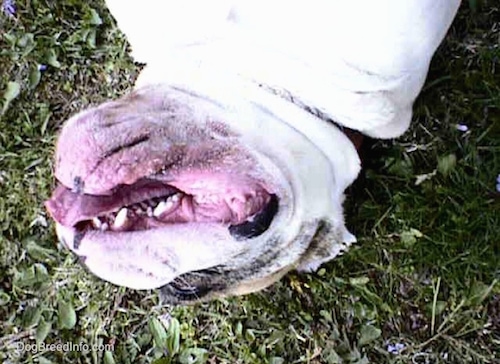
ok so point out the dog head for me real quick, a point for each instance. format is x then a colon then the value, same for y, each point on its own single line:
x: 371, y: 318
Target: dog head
x: 204, y: 196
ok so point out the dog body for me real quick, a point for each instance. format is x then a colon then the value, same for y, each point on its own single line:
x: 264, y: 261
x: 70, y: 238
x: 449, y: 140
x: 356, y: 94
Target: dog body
x: 361, y: 62
x: 230, y: 115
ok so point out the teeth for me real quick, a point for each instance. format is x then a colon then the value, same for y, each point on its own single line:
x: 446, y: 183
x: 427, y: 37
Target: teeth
x: 96, y: 222
x: 104, y: 226
x: 150, y: 208
x: 162, y: 207
x: 121, y: 218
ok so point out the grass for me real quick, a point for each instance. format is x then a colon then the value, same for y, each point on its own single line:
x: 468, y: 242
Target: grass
x: 420, y: 287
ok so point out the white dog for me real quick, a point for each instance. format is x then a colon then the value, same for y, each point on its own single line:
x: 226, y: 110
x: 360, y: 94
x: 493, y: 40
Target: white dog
x: 223, y: 170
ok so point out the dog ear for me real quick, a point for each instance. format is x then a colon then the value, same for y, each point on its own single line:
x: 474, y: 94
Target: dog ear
x: 330, y: 241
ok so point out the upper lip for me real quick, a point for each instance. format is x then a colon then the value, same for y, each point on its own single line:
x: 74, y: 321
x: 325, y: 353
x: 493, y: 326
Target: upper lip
x: 68, y: 208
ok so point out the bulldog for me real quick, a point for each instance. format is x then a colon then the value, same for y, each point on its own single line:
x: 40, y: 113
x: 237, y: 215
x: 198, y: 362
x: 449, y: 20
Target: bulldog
x: 225, y: 167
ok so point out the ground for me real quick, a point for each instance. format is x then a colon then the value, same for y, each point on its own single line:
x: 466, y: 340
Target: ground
x: 421, y: 286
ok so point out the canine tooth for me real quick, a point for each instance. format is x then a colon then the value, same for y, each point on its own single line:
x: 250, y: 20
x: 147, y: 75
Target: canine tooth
x: 104, y: 226
x: 149, y: 211
x: 121, y: 218
x: 162, y: 207
x: 174, y: 198
x: 96, y: 222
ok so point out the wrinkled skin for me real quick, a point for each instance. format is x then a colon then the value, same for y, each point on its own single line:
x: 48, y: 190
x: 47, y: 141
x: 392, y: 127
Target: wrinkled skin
x: 163, y: 140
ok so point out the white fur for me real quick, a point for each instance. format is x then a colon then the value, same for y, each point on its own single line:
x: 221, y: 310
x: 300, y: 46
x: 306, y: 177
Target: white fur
x: 361, y: 61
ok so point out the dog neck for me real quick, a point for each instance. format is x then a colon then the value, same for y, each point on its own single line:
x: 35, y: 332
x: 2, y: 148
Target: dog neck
x: 354, y: 136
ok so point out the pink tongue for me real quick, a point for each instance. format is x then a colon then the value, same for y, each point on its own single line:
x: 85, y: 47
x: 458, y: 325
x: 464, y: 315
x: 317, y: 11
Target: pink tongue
x: 68, y: 207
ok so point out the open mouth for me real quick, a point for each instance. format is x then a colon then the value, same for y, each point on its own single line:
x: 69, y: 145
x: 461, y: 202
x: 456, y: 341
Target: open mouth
x: 139, y: 216
x: 246, y: 208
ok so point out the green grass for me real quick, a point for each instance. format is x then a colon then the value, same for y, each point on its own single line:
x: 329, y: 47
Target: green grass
x: 424, y: 274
